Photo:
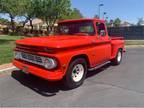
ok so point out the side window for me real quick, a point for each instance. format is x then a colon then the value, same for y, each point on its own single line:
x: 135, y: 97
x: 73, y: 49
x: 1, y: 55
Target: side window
x: 101, y: 29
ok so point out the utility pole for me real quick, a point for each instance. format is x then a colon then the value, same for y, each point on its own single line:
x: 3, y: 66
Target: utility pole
x: 99, y: 8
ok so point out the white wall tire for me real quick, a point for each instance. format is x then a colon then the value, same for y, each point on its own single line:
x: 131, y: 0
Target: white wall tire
x: 76, y: 73
x: 119, y: 56
x: 117, y: 60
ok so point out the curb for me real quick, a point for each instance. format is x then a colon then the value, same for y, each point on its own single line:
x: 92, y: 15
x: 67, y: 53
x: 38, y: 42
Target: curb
x: 6, y: 69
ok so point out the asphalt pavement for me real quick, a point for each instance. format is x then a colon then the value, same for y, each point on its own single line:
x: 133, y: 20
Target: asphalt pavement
x: 108, y: 86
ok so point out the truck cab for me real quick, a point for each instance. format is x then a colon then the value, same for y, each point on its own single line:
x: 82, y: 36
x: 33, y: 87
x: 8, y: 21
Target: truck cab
x: 78, y: 46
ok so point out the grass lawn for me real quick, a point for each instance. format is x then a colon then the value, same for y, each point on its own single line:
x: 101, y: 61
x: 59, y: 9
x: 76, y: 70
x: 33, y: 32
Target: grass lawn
x: 7, y: 43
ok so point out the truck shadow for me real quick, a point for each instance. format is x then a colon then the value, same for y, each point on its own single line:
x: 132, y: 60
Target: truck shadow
x: 44, y: 87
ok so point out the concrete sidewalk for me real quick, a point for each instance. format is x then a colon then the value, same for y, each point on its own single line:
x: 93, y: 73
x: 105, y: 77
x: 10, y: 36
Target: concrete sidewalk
x: 6, y: 67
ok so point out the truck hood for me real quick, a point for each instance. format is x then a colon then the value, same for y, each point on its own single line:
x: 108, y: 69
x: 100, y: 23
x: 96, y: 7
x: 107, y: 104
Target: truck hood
x: 55, y: 41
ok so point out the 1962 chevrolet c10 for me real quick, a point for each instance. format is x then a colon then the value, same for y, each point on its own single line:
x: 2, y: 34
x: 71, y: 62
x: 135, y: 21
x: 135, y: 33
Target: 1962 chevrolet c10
x: 79, y: 45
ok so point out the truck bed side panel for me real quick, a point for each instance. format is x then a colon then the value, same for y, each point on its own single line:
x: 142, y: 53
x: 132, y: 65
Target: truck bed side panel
x: 117, y: 43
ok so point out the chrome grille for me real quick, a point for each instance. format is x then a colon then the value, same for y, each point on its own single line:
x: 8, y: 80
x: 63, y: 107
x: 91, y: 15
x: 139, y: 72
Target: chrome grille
x: 48, y: 63
x: 31, y: 58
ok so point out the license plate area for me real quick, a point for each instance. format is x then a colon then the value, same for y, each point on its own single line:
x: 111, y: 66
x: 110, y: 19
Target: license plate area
x: 25, y: 69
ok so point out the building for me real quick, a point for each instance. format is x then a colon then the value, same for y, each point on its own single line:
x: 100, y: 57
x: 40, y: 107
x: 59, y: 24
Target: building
x: 125, y: 24
x: 37, y: 24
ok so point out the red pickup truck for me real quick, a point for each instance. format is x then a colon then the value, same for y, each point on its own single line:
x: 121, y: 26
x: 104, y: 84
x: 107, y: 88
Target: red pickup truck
x: 78, y: 46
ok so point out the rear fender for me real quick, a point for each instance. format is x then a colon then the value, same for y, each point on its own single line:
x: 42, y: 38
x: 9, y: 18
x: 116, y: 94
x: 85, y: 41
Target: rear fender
x: 115, y: 50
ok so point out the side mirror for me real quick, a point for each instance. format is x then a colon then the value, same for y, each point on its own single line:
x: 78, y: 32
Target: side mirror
x: 102, y: 33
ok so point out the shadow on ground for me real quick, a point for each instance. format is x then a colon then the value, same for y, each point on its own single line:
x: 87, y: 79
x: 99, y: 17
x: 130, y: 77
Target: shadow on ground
x: 44, y: 87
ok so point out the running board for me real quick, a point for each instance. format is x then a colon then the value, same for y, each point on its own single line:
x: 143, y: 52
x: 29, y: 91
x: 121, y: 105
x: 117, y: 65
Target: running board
x: 98, y: 66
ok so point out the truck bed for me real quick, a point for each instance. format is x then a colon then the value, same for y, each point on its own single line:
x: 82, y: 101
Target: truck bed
x: 117, y: 38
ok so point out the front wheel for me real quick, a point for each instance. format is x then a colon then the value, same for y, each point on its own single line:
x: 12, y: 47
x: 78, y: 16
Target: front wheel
x: 76, y: 73
x: 117, y: 60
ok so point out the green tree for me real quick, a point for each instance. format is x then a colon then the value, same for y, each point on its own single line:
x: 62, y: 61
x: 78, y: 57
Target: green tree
x: 28, y: 10
x: 52, y: 10
x: 117, y: 22
x: 140, y: 21
x: 74, y: 14
x: 4, y: 21
x: 10, y: 7
x: 1, y: 6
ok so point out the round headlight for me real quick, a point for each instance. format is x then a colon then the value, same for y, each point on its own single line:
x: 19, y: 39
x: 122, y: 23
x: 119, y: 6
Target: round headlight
x: 50, y: 63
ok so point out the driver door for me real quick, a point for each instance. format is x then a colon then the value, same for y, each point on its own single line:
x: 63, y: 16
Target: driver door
x: 103, y: 47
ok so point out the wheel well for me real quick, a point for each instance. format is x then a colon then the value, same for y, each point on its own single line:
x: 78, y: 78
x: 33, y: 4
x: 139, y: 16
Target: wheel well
x: 82, y: 56
x: 119, y: 49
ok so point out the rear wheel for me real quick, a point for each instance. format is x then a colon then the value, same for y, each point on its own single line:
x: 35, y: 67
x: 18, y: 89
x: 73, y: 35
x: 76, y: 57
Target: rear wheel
x: 76, y: 73
x: 117, y: 60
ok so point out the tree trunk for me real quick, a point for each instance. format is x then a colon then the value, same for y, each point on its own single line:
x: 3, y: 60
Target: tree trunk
x: 12, y: 23
x: 31, y: 24
x: 50, y: 25
x: 24, y: 23
x: 48, y: 29
x: 26, y: 20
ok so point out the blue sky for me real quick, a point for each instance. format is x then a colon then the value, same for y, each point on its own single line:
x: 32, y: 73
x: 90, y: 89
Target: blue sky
x: 127, y: 10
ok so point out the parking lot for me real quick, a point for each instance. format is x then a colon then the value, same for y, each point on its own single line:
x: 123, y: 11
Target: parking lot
x: 110, y: 86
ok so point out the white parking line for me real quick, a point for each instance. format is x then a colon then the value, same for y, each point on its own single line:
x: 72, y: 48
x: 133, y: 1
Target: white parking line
x: 8, y: 69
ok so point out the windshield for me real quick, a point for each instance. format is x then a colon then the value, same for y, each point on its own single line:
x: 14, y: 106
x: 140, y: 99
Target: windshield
x: 73, y: 28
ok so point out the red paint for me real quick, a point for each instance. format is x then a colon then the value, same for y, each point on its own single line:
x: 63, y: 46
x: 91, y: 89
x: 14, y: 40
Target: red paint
x: 64, y: 47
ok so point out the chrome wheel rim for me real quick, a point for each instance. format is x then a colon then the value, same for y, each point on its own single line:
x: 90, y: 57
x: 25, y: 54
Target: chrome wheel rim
x: 77, y: 72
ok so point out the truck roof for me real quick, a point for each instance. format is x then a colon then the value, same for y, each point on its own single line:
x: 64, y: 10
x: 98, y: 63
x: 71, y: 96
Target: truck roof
x: 82, y: 19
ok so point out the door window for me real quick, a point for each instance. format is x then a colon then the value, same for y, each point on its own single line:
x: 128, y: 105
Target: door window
x: 101, y: 30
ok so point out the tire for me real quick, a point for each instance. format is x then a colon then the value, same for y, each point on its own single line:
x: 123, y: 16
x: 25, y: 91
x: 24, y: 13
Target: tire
x: 76, y: 73
x: 117, y: 60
